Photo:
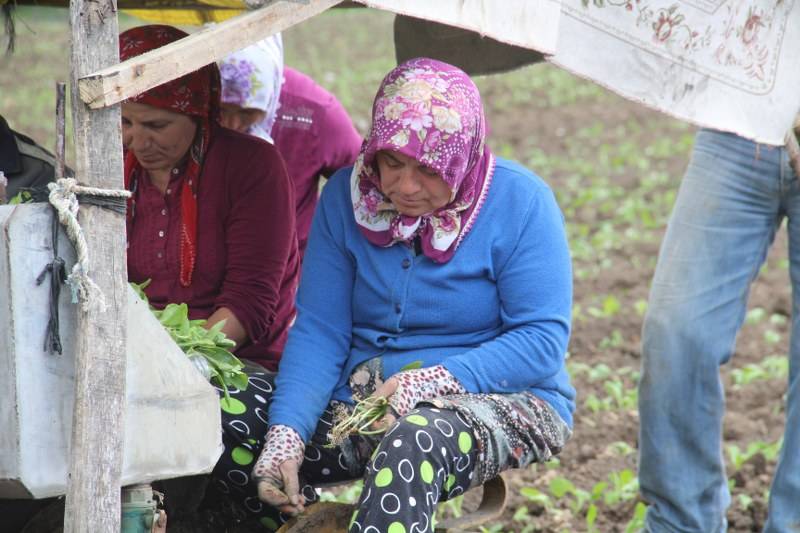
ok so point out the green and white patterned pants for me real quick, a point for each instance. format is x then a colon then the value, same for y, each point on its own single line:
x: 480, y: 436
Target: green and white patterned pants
x: 428, y: 456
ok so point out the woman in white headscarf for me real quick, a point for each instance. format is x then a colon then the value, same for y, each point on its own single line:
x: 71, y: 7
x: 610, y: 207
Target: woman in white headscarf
x: 308, y: 126
x: 251, y: 87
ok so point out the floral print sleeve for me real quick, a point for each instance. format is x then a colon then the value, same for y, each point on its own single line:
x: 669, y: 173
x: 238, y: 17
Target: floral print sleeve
x: 422, y: 384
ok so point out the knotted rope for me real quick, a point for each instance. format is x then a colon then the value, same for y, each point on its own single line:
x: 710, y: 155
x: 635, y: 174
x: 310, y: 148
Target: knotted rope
x: 65, y: 194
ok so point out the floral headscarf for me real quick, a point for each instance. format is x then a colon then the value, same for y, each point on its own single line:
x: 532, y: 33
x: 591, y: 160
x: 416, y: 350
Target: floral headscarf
x: 196, y: 94
x: 432, y: 112
x: 252, y: 78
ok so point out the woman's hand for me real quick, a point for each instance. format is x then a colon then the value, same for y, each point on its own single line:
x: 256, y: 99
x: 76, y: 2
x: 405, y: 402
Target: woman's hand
x: 276, y: 470
x: 233, y: 328
x: 409, y: 387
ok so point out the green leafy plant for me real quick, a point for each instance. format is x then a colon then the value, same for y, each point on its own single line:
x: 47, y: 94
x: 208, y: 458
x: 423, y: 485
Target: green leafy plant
x: 610, y: 307
x: 755, y: 315
x: 739, y: 457
x: 536, y: 496
x: 621, y: 448
x: 623, y: 486
x: 622, y: 397
x: 349, y: 494
x: 637, y: 522
x: 591, y: 518
x: 561, y: 487
x: 523, y: 516
x: 744, y: 500
x: 196, y: 340
x: 772, y: 367
x: 453, y: 507
x: 612, y: 341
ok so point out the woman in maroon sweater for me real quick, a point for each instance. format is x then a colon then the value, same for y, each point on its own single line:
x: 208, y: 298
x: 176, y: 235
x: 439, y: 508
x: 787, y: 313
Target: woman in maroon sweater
x: 211, y: 222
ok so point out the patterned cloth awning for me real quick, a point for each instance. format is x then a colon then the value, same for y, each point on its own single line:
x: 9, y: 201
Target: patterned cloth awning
x: 727, y: 64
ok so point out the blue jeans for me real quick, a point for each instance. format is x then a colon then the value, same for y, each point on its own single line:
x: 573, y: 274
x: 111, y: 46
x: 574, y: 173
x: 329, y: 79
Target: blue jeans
x: 731, y: 202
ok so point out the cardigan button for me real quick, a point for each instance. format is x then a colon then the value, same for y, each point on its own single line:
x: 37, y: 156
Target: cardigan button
x: 406, y: 263
x: 397, y: 308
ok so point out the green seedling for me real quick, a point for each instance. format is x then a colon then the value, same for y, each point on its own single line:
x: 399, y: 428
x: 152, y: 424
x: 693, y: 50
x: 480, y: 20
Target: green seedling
x: 621, y: 448
x: 614, y: 340
x: 610, y: 306
x: 755, y: 315
x: 453, y: 507
x: 349, y: 495
x: 561, y: 487
x: 637, y: 522
x: 622, y: 397
x: 623, y: 486
x: 536, y: 496
x: 772, y: 367
x: 738, y: 457
x: 196, y: 340
x: 744, y: 501
x: 772, y: 336
x: 591, y: 518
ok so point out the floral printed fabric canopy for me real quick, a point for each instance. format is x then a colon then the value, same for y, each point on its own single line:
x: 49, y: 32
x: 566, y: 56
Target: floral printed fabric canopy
x: 727, y: 64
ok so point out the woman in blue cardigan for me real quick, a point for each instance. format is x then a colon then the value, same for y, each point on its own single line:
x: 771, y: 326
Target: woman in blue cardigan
x: 438, y: 276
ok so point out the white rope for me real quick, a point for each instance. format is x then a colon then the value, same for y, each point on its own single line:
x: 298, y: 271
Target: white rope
x: 63, y: 197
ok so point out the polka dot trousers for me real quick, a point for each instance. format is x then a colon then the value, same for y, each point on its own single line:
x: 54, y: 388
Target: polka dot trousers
x: 427, y: 457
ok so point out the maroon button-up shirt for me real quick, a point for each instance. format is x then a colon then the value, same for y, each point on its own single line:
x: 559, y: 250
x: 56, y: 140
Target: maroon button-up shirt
x: 247, y: 258
x: 316, y: 137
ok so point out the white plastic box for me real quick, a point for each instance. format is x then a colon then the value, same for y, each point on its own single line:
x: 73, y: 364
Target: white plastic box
x: 172, y: 418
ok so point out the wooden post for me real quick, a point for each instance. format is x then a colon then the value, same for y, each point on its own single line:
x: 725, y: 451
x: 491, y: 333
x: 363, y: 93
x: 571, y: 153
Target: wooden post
x: 95, y: 456
x: 61, y: 136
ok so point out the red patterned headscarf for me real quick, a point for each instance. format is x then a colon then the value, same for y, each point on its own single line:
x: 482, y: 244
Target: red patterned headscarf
x: 196, y: 94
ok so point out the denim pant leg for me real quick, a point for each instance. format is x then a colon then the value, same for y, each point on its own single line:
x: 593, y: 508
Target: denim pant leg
x: 784, y: 504
x: 723, y: 223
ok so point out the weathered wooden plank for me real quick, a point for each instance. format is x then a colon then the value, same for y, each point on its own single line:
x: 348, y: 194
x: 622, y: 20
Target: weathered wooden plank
x: 138, y: 74
x: 61, y: 134
x: 194, y: 5
x: 95, y: 462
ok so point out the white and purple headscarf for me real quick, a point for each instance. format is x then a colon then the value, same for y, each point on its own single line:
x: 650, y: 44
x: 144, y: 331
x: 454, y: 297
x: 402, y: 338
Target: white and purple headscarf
x: 432, y: 112
x: 252, y: 78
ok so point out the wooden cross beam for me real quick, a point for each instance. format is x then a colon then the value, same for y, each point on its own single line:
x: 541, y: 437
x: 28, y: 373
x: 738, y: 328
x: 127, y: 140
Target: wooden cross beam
x: 138, y: 74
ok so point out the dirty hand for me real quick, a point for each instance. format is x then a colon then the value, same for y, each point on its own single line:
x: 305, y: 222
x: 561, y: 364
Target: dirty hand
x: 276, y: 470
x: 409, y: 387
x: 160, y: 523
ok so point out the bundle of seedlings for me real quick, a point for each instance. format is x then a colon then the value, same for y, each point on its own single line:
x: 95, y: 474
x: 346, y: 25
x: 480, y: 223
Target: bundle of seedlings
x: 358, y: 422
x: 366, y: 412
x: 208, y: 348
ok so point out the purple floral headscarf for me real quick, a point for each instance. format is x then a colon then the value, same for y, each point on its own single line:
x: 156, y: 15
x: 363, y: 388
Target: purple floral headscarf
x: 252, y: 78
x: 432, y: 112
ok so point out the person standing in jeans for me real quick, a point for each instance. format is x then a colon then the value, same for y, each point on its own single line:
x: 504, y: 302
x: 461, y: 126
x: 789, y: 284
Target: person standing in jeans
x: 732, y: 201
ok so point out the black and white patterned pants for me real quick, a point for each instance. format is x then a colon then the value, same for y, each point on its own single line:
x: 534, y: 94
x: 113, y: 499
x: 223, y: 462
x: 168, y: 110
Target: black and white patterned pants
x: 434, y: 453
x: 428, y: 456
